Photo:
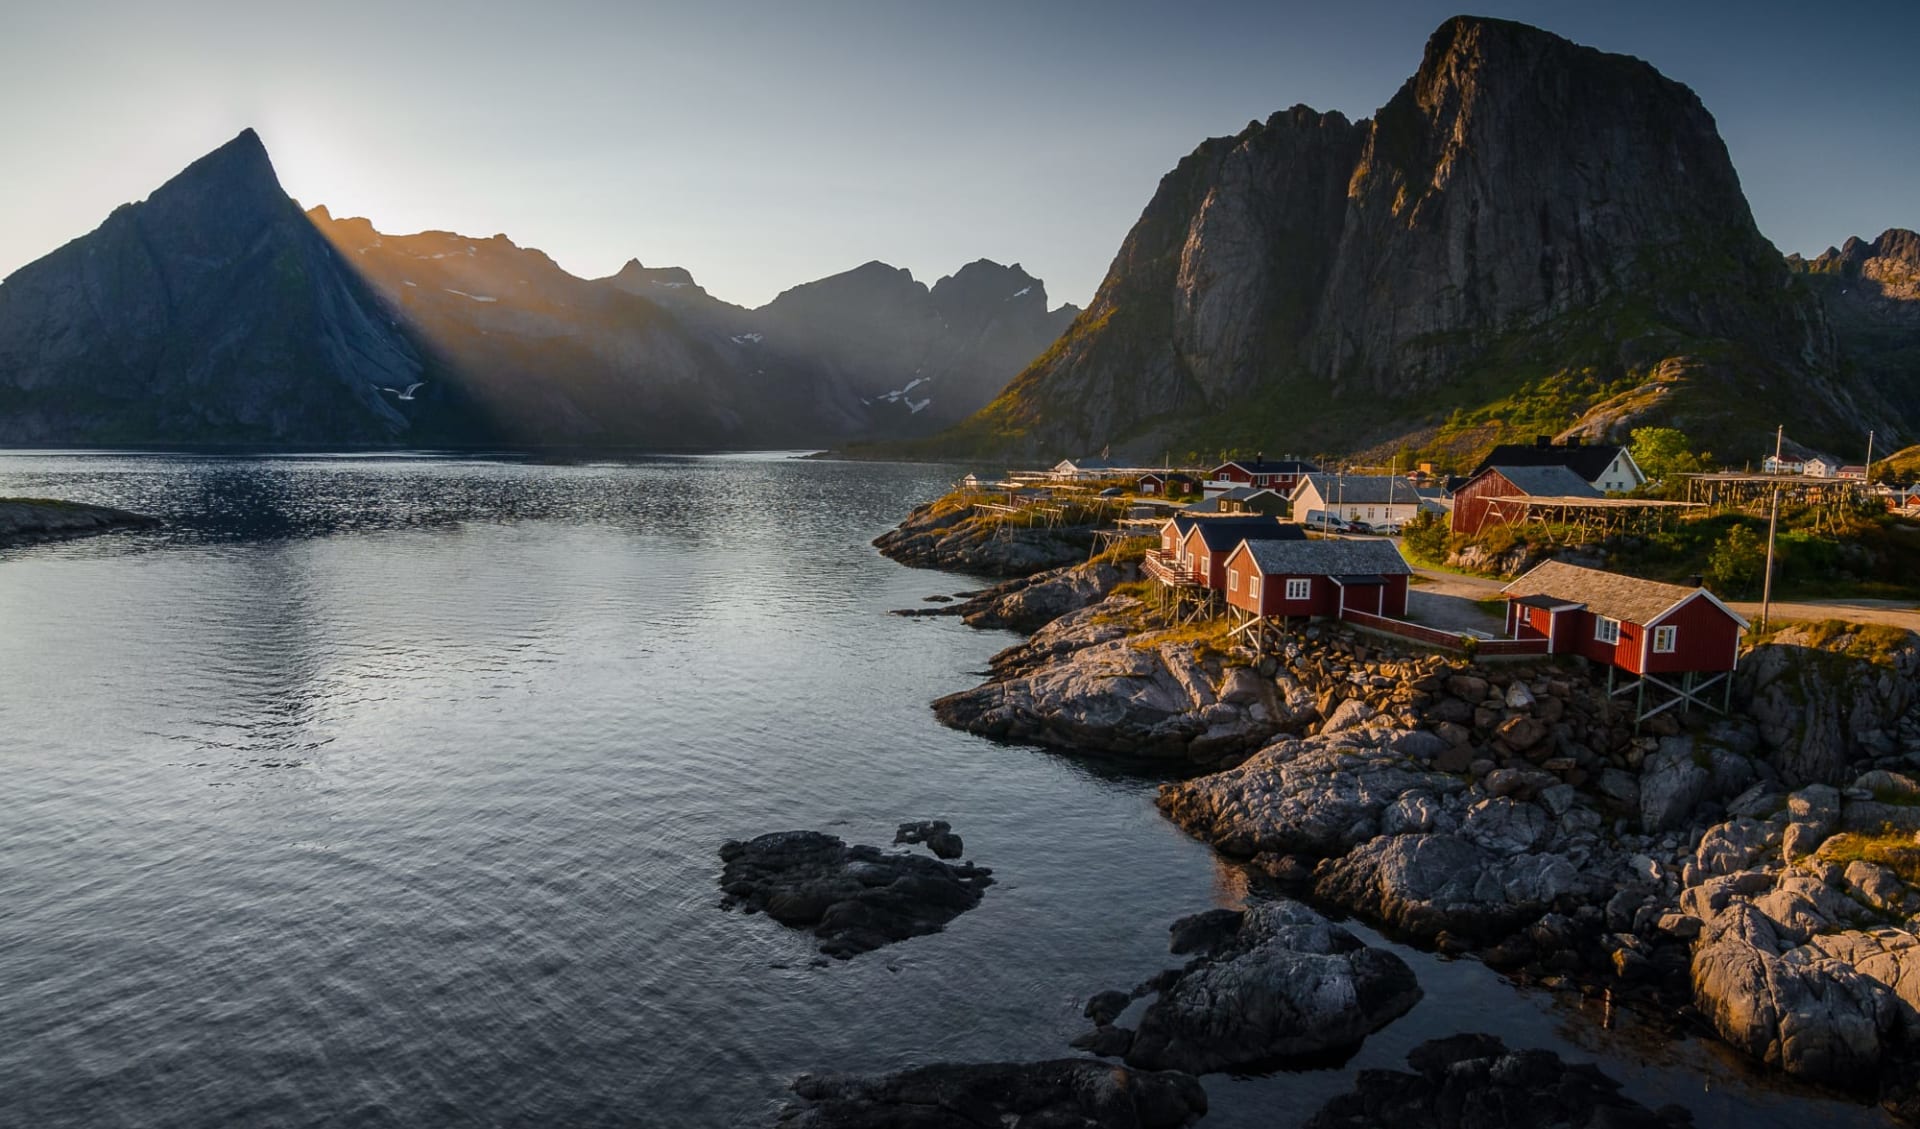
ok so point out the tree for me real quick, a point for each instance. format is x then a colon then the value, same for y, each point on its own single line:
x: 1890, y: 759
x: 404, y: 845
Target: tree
x: 1663, y: 452
x: 1426, y: 537
x: 1737, y: 561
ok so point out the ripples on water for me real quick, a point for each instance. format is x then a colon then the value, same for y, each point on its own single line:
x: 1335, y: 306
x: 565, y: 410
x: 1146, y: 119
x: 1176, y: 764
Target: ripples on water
x: 387, y: 791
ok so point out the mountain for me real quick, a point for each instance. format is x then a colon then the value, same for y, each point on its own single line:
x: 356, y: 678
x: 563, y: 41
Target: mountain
x: 210, y: 312
x: 1872, y: 295
x: 216, y: 312
x: 1531, y: 235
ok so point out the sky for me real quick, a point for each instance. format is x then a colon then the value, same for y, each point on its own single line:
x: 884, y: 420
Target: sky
x: 764, y: 145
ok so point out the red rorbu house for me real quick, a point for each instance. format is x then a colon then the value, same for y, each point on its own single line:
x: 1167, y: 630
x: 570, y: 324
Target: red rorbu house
x: 1489, y: 497
x: 1328, y: 578
x: 1672, y: 637
x: 1189, y: 556
x: 1278, y: 474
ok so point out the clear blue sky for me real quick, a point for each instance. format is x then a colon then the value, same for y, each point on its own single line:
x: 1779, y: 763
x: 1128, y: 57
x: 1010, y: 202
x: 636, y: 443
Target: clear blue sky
x: 760, y: 145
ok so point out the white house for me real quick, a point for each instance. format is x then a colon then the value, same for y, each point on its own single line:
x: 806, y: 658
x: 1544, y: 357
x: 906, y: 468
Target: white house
x: 1784, y: 464
x: 1820, y: 466
x: 1377, y: 499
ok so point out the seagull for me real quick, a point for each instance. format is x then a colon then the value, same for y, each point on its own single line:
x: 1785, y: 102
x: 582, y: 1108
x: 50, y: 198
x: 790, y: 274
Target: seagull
x: 408, y: 394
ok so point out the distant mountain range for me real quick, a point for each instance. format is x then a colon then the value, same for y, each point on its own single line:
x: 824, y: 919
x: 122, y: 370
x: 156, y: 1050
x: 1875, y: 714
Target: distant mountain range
x: 1530, y: 236
x: 216, y: 312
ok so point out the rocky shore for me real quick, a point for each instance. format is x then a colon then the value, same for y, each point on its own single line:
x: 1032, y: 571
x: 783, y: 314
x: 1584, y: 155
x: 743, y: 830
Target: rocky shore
x: 1754, y: 876
x: 950, y: 534
x: 28, y: 521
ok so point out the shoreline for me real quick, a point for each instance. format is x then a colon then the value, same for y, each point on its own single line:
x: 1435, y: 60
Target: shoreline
x: 1400, y: 808
x: 36, y: 521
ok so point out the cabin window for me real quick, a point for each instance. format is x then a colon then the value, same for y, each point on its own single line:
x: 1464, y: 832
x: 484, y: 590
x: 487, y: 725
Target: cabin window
x: 1233, y: 580
x: 1206, y: 565
x: 1300, y: 588
x: 1253, y: 586
x: 1606, y: 630
x: 1664, y: 638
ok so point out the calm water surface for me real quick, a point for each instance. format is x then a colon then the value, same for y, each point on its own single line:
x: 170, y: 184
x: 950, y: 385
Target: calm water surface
x: 387, y: 791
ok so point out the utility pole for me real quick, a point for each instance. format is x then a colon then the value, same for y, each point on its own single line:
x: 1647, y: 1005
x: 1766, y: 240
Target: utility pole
x: 1869, y: 458
x: 1766, y: 586
x: 1779, y: 437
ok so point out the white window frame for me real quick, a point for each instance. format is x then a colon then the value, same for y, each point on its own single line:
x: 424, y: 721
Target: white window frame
x: 1666, y: 639
x: 1253, y: 586
x: 1300, y: 588
x: 1606, y: 630
x: 1233, y: 580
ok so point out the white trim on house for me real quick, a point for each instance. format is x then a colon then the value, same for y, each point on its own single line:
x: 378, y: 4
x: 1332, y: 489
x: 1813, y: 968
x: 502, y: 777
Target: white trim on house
x: 1300, y: 588
x: 1606, y: 630
x: 1697, y: 593
x: 1666, y: 639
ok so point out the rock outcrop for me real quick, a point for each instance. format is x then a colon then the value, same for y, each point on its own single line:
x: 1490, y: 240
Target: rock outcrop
x: 1871, y: 291
x: 1821, y: 706
x: 1475, y: 1082
x: 1523, y: 209
x: 26, y: 521
x: 1272, y: 982
x: 1057, y: 1094
x: 949, y: 533
x: 855, y: 899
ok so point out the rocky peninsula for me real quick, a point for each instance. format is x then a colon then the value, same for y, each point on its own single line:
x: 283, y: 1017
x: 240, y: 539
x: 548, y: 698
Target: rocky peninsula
x: 28, y: 521
x: 1756, y: 875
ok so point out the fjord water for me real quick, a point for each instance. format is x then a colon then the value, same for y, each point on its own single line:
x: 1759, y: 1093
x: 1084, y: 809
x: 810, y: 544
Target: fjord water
x: 387, y: 791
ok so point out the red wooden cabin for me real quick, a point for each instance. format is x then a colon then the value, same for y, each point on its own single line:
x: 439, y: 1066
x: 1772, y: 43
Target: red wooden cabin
x: 1643, y: 627
x: 1158, y: 484
x: 1474, y: 507
x: 1318, y: 578
x: 1211, y: 541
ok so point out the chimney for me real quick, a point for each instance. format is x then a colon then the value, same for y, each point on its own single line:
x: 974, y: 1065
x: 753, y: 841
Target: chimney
x: 1696, y: 581
x: 1573, y: 441
x: 1543, y: 441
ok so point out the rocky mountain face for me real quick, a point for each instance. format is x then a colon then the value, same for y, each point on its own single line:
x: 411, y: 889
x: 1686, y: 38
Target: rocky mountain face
x: 1872, y: 295
x: 216, y: 312
x: 1525, y: 214
x: 211, y: 312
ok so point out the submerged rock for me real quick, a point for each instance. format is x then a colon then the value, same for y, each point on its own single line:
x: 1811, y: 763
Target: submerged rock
x: 1274, y: 981
x: 855, y: 899
x: 1057, y: 1094
x: 1475, y: 1082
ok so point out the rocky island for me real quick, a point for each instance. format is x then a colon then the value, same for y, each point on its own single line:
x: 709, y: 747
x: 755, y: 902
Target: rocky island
x: 27, y: 521
x: 1755, y: 874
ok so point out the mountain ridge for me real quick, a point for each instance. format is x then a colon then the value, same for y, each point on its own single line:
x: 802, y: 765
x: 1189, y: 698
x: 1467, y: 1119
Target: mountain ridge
x: 1529, y: 234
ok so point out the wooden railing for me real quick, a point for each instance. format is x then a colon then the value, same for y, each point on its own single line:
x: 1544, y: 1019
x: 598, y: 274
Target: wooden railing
x: 1167, y: 569
x: 1449, y: 640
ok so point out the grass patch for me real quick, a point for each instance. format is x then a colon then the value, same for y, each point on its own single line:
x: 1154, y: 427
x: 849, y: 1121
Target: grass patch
x: 1886, y: 847
x: 1878, y: 643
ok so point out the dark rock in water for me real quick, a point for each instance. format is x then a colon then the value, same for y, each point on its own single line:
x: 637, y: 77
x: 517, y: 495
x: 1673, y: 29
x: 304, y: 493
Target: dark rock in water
x: 1058, y: 1094
x: 1275, y: 981
x: 24, y: 521
x: 855, y: 899
x: 1475, y: 1082
x: 937, y: 599
x: 1105, y: 1007
x: 937, y: 834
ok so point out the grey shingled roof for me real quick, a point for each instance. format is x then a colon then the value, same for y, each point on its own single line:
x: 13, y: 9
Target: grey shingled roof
x: 1589, y: 461
x: 1363, y: 489
x: 1330, y: 557
x: 1609, y: 594
x: 1547, y: 481
x: 1222, y: 538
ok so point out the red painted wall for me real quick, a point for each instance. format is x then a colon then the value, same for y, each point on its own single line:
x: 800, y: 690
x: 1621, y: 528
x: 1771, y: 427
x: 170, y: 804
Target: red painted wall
x: 1470, y: 501
x: 1707, y: 640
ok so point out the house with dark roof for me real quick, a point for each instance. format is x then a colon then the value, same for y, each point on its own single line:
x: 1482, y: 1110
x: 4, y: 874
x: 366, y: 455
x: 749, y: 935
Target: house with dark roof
x: 1244, y: 500
x: 1269, y: 474
x: 1326, y: 578
x: 1165, y: 483
x: 1209, y: 541
x: 1604, y: 467
x: 1643, y: 627
x: 1377, y: 499
x: 1476, y: 504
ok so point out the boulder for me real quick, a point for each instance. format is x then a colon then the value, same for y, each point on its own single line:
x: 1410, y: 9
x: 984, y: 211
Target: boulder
x: 1425, y: 885
x: 855, y: 899
x: 1813, y: 814
x: 1672, y: 783
x: 1475, y: 1082
x: 1058, y: 1094
x: 1284, y: 982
